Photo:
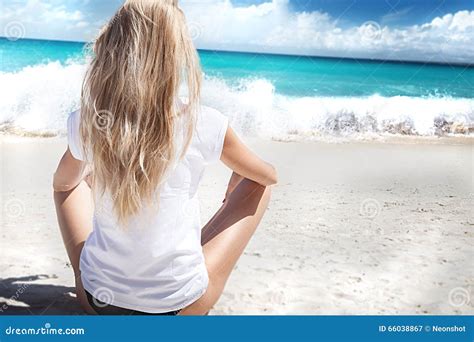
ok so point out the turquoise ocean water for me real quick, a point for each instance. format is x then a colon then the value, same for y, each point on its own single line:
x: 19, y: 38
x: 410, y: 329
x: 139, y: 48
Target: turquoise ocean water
x: 269, y: 95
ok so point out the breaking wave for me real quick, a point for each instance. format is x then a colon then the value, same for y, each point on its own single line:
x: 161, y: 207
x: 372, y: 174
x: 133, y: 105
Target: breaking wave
x: 38, y: 99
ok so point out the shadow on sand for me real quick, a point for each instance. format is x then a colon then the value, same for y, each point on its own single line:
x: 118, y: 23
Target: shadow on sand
x: 22, y: 296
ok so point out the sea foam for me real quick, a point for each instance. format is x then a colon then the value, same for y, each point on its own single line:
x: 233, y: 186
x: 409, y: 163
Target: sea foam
x: 38, y: 99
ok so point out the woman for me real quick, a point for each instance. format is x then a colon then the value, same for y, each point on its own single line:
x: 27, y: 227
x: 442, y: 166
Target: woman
x: 142, y: 250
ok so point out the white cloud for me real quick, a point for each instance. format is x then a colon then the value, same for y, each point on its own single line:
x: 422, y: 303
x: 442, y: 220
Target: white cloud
x: 268, y: 27
x: 82, y: 24
x: 273, y: 27
x: 461, y: 21
x: 43, y: 19
x: 34, y: 10
x: 60, y: 13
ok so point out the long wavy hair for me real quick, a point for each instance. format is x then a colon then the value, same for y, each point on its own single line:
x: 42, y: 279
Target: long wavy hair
x: 129, y: 110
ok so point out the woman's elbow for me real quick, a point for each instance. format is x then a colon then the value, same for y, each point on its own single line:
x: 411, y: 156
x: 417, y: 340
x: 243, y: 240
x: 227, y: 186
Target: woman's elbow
x: 60, y: 185
x: 62, y: 188
x: 69, y: 173
x: 272, y: 177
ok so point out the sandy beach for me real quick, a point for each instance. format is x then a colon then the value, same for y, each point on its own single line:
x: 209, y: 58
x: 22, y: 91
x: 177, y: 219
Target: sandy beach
x: 353, y: 228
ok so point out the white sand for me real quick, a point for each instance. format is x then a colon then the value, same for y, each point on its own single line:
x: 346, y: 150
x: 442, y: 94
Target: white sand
x: 360, y: 228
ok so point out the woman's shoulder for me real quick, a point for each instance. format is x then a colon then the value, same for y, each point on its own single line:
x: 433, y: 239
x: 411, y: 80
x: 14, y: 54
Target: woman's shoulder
x: 209, y: 117
x: 206, y: 110
x: 74, y: 117
x: 211, y: 127
x: 74, y: 136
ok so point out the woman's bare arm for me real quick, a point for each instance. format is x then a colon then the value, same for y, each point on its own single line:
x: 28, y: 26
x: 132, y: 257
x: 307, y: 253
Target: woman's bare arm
x: 73, y: 205
x: 69, y: 174
x: 73, y: 201
x: 237, y: 156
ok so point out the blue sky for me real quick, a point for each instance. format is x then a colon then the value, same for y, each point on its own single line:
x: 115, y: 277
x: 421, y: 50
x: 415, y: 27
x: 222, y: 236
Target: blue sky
x: 397, y: 12
x: 395, y: 29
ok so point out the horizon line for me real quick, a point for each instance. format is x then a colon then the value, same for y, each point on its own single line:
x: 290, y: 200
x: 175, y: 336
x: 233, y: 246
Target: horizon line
x: 365, y: 59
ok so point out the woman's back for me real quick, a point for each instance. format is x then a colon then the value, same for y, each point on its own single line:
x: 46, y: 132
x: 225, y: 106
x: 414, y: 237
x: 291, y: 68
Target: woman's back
x: 147, y: 155
x: 154, y: 263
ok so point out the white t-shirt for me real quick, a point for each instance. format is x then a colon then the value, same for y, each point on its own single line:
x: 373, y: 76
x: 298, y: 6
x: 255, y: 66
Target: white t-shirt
x: 156, y: 263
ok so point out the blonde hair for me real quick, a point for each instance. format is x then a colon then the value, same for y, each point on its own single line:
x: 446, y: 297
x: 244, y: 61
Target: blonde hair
x: 129, y: 112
